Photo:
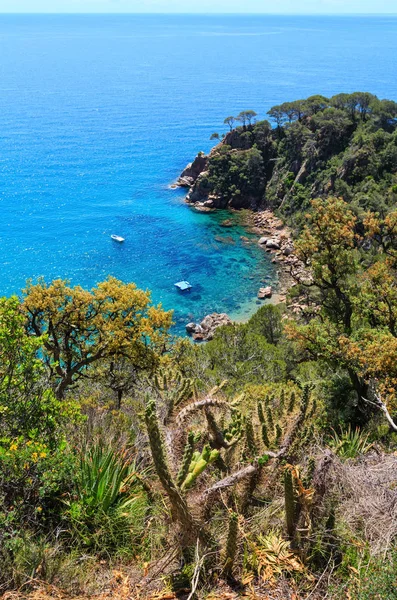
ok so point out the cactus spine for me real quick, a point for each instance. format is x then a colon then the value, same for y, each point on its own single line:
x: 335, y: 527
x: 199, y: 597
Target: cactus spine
x: 186, y: 459
x: 231, y: 544
x: 289, y: 500
x: 313, y: 408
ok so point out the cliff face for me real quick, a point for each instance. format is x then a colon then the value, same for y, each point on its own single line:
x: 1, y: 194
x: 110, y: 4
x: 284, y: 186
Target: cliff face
x: 234, y: 173
x: 190, y: 174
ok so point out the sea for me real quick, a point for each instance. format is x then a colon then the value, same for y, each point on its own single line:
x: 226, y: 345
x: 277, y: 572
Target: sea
x: 99, y: 114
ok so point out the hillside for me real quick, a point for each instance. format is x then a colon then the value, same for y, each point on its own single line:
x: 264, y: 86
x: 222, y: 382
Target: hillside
x: 259, y: 465
x: 342, y: 146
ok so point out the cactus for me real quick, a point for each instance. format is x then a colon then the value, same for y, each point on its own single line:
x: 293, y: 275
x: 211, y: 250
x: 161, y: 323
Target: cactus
x: 235, y: 429
x: 173, y: 388
x: 282, y: 401
x: 289, y: 499
x: 250, y: 437
x: 179, y: 508
x: 292, y: 399
x: 261, y: 415
x: 186, y: 459
x: 269, y: 417
x: 218, y: 438
x: 311, y: 465
x: 265, y: 437
x: 309, y: 433
x: 279, y: 433
x: 313, y: 408
x: 231, y: 544
x: 305, y: 398
x: 198, y: 465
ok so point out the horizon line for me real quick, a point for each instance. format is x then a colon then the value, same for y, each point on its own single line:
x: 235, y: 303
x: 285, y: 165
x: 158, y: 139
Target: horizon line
x: 211, y: 14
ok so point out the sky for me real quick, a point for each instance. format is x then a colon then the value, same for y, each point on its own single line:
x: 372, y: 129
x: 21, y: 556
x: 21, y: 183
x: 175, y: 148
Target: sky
x: 204, y: 6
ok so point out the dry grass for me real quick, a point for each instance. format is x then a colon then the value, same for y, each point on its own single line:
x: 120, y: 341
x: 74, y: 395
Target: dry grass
x: 367, y: 493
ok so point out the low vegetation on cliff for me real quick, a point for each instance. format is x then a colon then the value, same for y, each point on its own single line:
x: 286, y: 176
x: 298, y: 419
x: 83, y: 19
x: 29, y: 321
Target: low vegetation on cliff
x: 342, y: 146
x: 261, y: 464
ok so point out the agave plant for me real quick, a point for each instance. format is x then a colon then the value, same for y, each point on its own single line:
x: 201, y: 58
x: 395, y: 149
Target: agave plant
x: 273, y: 556
x: 108, y: 504
x: 350, y: 443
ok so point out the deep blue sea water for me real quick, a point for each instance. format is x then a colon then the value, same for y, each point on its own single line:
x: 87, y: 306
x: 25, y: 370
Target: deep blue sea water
x: 99, y: 114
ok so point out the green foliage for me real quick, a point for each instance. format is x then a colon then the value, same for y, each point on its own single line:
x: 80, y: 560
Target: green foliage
x: 378, y: 579
x: 321, y: 145
x: 107, y: 508
x: 79, y: 328
x: 350, y: 443
x: 33, y: 477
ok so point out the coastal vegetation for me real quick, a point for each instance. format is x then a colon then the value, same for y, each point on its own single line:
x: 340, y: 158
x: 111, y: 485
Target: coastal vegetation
x: 345, y: 145
x: 260, y: 464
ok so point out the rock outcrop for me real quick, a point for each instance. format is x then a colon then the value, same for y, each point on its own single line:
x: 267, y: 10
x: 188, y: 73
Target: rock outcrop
x: 265, y: 292
x: 205, y: 330
x: 190, y: 174
x: 275, y: 237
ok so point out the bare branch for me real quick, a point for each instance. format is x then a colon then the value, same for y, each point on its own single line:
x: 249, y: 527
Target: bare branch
x: 382, y: 406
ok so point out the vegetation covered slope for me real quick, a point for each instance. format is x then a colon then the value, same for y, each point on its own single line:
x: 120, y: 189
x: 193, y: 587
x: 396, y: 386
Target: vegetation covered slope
x: 343, y: 146
x: 261, y: 464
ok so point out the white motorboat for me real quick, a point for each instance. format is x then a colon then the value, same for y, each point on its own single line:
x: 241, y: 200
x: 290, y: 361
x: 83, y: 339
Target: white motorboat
x: 117, y: 238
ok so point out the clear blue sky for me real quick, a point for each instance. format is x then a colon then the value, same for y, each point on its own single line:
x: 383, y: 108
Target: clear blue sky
x: 210, y: 6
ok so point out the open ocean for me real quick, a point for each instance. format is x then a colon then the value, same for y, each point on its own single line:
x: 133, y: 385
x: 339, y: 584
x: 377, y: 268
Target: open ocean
x: 99, y: 114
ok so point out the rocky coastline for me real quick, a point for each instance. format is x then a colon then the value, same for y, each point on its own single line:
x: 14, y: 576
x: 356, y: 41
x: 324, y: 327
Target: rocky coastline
x: 273, y: 236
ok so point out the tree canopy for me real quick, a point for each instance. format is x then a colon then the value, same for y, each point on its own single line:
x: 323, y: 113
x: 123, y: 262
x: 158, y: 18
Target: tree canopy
x: 80, y: 327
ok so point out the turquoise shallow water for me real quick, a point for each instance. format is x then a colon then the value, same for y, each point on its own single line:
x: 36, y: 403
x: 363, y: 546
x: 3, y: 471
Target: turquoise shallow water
x: 98, y: 114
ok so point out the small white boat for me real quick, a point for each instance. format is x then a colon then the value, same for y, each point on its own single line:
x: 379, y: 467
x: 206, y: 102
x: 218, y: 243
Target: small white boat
x: 117, y: 238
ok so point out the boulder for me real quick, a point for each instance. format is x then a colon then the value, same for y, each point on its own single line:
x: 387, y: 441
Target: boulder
x: 206, y: 329
x: 288, y: 250
x: 262, y: 240
x: 191, y: 327
x: 273, y: 244
x: 185, y: 182
x: 265, y: 292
